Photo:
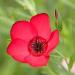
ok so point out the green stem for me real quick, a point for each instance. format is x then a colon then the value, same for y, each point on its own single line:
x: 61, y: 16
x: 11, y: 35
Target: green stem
x: 54, y: 55
x: 62, y: 57
x: 30, y: 6
x: 50, y: 72
x: 60, y: 54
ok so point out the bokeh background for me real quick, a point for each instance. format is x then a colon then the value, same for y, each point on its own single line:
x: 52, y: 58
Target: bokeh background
x: 13, y: 10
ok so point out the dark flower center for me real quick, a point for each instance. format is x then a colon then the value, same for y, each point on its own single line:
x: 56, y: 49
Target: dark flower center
x: 37, y: 46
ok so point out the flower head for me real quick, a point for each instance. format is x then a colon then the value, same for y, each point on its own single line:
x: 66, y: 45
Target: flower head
x: 33, y: 41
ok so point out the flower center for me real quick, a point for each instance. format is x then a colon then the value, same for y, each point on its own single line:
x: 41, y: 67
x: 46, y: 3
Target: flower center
x: 37, y: 46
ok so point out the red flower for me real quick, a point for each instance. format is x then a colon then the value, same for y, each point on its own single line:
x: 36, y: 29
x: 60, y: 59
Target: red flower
x: 33, y: 41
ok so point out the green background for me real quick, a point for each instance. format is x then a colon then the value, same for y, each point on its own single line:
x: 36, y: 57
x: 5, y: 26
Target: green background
x: 13, y: 10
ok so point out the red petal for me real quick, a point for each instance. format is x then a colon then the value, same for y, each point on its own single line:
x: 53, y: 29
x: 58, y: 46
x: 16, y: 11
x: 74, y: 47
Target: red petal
x: 18, y: 49
x: 22, y: 30
x: 37, y: 61
x: 53, y: 41
x: 42, y: 24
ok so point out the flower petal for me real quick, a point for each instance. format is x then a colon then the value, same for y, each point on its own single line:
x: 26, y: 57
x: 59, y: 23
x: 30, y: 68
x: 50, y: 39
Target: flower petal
x: 53, y: 41
x: 18, y: 49
x: 42, y: 24
x: 22, y: 30
x: 37, y: 61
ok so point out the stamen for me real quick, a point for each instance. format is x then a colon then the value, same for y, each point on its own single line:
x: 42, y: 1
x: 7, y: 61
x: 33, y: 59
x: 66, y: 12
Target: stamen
x: 37, y: 45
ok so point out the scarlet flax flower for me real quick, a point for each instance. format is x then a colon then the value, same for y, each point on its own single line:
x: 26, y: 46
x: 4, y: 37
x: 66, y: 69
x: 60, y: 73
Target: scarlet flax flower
x: 33, y: 41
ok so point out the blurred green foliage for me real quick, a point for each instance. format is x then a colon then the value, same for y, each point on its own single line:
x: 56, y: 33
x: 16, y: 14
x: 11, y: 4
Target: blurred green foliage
x: 13, y: 10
